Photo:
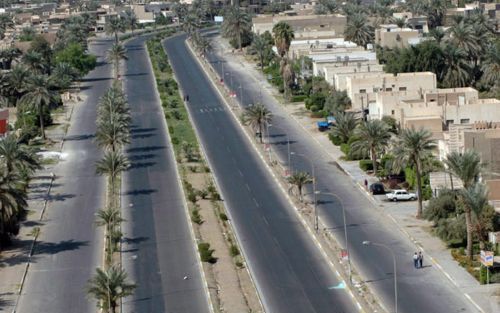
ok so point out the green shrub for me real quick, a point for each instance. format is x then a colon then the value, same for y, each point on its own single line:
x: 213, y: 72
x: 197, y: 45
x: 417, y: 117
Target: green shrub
x: 177, y: 115
x: 192, y: 197
x: 239, y: 264
x: 171, y: 130
x: 345, y: 148
x: 175, y: 141
x: 203, y: 193
x: 223, y: 217
x: 335, y: 139
x: 299, y: 98
x: 366, y: 165
x: 206, y: 254
x: 233, y: 250
x: 196, y: 217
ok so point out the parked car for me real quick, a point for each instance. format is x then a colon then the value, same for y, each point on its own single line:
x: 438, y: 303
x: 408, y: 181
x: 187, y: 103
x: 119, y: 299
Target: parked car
x: 377, y: 189
x: 401, y: 194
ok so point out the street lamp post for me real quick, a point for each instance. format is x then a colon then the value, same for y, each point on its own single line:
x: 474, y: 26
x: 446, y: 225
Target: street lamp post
x: 316, y: 226
x: 368, y: 243
x: 345, y: 231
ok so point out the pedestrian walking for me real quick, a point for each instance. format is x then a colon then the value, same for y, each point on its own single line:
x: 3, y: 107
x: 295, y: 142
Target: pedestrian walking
x: 187, y: 98
x: 420, y: 259
x: 366, y: 184
x: 415, y: 260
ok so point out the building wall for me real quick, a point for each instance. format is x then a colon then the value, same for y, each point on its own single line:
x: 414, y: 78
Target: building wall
x: 487, y: 144
x: 396, y: 37
x: 329, y: 71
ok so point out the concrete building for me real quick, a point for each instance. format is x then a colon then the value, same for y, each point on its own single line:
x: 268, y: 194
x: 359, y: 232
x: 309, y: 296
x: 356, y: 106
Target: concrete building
x: 304, y: 26
x: 301, y: 47
x: 391, y: 36
x: 363, y: 88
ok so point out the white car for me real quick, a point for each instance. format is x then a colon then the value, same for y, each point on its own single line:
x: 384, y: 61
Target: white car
x: 401, y: 194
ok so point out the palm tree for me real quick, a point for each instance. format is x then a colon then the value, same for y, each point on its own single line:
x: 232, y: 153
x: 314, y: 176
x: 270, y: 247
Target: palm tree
x: 112, y: 164
x: 373, y: 137
x: 475, y: 198
x: 115, y: 54
x: 109, y: 218
x: 345, y: 125
x: 436, y: 11
x: 456, y: 70
x: 34, y: 62
x: 8, y: 55
x: 491, y: 65
x: 38, y: 95
x: 411, y: 147
x: 283, y: 35
x: 131, y: 20
x: 63, y: 75
x: 358, y: 30
x: 299, y: 180
x: 114, y: 26
x: 261, y: 48
x: 18, y: 158
x: 236, y: 23
x: 190, y: 24
x: 18, y: 79
x: 113, y: 133
x: 463, y: 37
x: 467, y: 166
x: 12, y: 205
x: 109, y: 286
x: 400, y: 22
x: 256, y: 116
x: 438, y: 34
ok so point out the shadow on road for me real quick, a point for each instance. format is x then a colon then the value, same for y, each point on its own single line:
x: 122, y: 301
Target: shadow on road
x: 142, y: 136
x: 137, y: 129
x: 79, y: 137
x: 145, y: 149
x: 8, y: 304
x: 142, y: 157
x: 137, y: 165
x: 137, y: 192
x: 61, y: 246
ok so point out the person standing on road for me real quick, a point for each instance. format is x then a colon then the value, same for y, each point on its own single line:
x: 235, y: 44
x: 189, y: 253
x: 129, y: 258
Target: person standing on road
x: 366, y: 184
x: 415, y: 260
x: 420, y: 259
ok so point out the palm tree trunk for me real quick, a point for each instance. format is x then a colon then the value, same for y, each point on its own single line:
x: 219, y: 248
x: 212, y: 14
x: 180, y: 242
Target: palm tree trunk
x: 117, y: 69
x: 468, y: 225
x: 113, y: 307
x: 261, y: 62
x: 116, y: 37
x: 260, y: 132
x: 42, y: 126
x: 419, y: 189
x: 374, y: 160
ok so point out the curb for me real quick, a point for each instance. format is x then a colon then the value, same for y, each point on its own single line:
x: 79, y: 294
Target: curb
x: 296, y: 210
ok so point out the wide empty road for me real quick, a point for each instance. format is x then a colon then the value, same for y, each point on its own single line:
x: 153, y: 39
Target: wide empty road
x: 70, y: 246
x: 290, y: 272
x: 159, y: 249
x: 424, y: 290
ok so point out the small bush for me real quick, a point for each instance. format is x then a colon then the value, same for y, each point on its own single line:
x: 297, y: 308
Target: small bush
x: 207, y: 169
x: 366, y: 165
x: 345, y: 148
x: 177, y: 115
x: 196, y: 217
x: 239, y: 264
x: 299, y: 98
x: 171, y: 130
x: 214, y: 194
x: 234, y: 251
x: 223, y: 217
x: 175, y: 141
x: 206, y: 254
x: 193, y: 168
x: 188, y: 186
x: 335, y: 140
x: 192, y: 197
x: 203, y: 193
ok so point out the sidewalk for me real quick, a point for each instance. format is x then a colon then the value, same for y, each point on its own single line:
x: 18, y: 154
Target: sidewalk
x: 401, y: 213
x: 14, y: 260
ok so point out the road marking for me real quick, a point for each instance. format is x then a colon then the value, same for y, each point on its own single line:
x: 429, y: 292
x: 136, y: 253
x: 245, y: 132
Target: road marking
x: 241, y: 174
x: 248, y: 187
x: 256, y: 203
x: 341, y: 285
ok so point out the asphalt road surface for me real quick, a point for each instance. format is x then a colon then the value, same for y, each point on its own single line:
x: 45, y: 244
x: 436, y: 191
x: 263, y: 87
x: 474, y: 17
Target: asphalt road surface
x: 69, y: 247
x: 424, y: 290
x: 159, y: 249
x: 290, y: 272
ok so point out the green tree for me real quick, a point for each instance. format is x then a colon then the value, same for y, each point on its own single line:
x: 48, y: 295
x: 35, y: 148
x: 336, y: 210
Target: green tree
x: 114, y: 26
x: 236, y: 24
x: 131, y: 20
x: 411, y: 147
x: 17, y: 81
x: 261, y: 47
x: 42, y: 46
x: 108, y: 287
x: 283, y: 36
x: 8, y: 55
x: 112, y: 164
x: 39, y: 95
x: 12, y: 205
x: 345, y: 125
x: 373, y: 137
x: 256, y: 116
x: 463, y: 37
x: 63, y: 75
x: 456, y: 69
x: 27, y: 34
x: 467, y: 166
x: 115, y: 54
x: 475, y: 198
x: 18, y: 158
x: 75, y: 55
x: 491, y: 66
x: 337, y: 101
x: 34, y: 62
x: 110, y: 218
x: 358, y: 30
x: 299, y: 180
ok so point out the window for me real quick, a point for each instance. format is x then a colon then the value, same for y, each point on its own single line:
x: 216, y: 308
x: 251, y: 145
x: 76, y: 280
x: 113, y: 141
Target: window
x: 402, y: 88
x: 449, y: 122
x: 464, y: 121
x: 388, y: 89
x: 362, y: 91
x: 392, y: 112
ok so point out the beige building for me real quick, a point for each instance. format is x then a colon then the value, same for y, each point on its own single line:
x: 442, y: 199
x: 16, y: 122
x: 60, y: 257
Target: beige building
x: 304, y: 26
x: 391, y: 36
x: 363, y: 88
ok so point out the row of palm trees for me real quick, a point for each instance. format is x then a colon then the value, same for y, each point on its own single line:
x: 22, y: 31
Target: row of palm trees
x: 18, y: 162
